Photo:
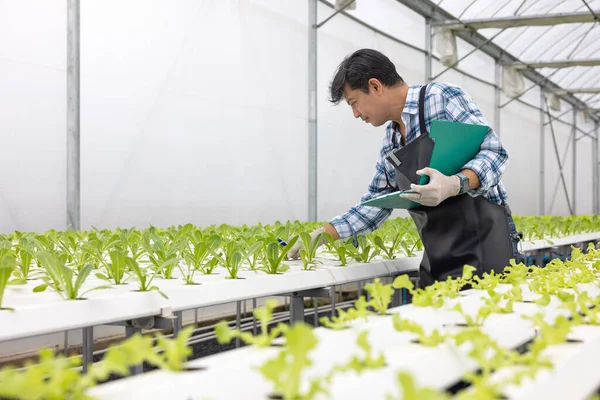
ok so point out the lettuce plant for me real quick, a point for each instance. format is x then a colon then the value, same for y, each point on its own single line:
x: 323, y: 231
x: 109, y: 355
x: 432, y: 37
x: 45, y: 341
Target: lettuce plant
x: 405, y: 325
x: 264, y: 315
x: 308, y: 252
x: 343, y: 319
x: 233, y: 255
x: 115, y: 270
x: 7, y: 266
x: 410, y: 391
x: 285, y: 370
x: 174, y: 352
x: 25, y: 251
x: 144, y: 279
x: 381, y: 295
x: 62, y: 278
x: 343, y: 249
x: 365, y: 252
x: 196, y: 256
x: 162, y: 253
x: 275, y: 255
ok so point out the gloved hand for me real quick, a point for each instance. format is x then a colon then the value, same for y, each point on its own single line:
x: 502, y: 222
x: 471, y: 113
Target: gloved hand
x: 439, y: 188
x: 294, y: 252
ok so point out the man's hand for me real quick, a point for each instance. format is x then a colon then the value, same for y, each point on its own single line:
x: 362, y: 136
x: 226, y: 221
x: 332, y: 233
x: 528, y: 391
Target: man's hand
x: 439, y: 188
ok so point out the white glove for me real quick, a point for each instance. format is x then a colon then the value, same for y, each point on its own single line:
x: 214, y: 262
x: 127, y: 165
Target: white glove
x: 294, y: 252
x: 439, y: 188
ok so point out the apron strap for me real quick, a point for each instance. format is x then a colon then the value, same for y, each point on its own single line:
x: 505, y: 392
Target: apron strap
x: 422, y: 125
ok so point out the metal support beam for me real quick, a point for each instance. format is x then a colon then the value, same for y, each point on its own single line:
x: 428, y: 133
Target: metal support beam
x: 556, y: 64
x: 590, y: 90
x: 335, y: 13
x: 542, y: 154
x: 297, y: 302
x: 177, y: 323
x: 312, y: 110
x: 238, y: 321
x: 254, y: 326
x: 596, y: 174
x: 497, y: 98
x: 428, y: 9
x: 88, y: 347
x: 428, y: 50
x: 73, y: 125
x: 574, y: 144
x: 514, y: 22
x: 129, y: 332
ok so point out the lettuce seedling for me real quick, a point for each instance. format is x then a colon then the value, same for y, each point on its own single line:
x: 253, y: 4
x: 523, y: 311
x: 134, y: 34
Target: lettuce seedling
x: 381, y: 295
x: 195, y: 258
x: 343, y: 319
x: 231, y: 259
x: 285, y: 370
x: 7, y: 266
x: 115, y: 270
x: 163, y: 254
x: 175, y: 351
x: 410, y: 391
x: 365, y: 252
x: 264, y: 315
x: 388, y: 252
x: 60, y: 278
x: 359, y: 364
x: 482, y: 313
x: 309, y: 248
x: 405, y: 325
x: 342, y: 249
x: 275, y: 255
x: 144, y: 279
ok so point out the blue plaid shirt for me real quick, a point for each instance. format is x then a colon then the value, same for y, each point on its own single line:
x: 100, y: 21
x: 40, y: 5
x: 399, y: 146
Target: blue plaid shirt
x: 443, y: 101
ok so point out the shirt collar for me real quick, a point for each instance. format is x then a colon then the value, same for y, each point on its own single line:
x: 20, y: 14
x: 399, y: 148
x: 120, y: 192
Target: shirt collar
x: 411, y: 106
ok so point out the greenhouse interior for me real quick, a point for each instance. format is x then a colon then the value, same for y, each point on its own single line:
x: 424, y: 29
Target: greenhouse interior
x: 408, y: 190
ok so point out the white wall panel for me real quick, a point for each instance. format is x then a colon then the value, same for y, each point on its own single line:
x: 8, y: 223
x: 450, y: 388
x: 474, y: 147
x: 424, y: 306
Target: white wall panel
x: 556, y: 200
x: 348, y: 147
x: 520, y: 127
x: 33, y: 115
x: 196, y: 112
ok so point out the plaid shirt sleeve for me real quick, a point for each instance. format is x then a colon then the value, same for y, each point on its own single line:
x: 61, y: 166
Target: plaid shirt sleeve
x: 363, y: 219
x: 492, y: 160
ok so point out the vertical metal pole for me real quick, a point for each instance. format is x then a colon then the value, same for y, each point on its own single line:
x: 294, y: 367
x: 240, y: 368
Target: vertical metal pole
x: 129, y: 332
x: 397, y: 298
x: 574, y: 144
x: 428, y: 49
x: 497, y: 109
x: 542, y: 153
x: 88, y: 347
x: 333, y: 301
x: 177, y: 324
x: 312, y: 110
x: 238, y: 320
x: 254, y: 331
x: 316, y: 311
x: 66, y: 344
x: 73, y: 167
x: 597, y: 169
x: 296, y: 308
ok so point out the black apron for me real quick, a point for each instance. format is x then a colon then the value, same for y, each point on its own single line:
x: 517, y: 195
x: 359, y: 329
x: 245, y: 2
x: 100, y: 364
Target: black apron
x: 460, y: 230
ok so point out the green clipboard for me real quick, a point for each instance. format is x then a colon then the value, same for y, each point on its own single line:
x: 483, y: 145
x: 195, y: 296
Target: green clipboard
x: 455, y: 145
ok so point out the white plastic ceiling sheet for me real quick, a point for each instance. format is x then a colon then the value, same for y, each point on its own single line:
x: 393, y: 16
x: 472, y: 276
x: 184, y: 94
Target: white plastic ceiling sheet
x: 573, y: 41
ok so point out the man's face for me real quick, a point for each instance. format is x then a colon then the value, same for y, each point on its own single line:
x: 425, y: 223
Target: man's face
x: 367, y: 106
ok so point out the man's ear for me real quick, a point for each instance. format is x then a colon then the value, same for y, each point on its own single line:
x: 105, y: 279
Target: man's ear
x: 376, y: 86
